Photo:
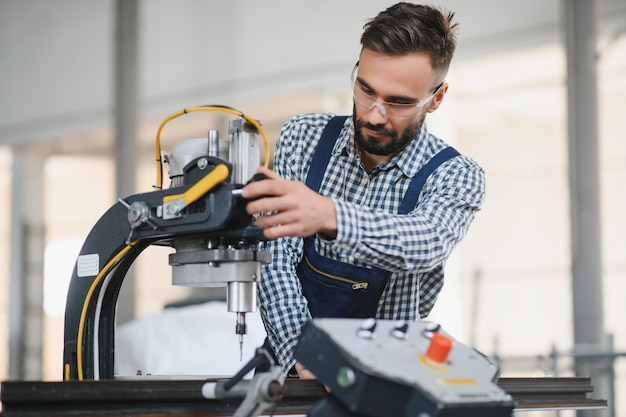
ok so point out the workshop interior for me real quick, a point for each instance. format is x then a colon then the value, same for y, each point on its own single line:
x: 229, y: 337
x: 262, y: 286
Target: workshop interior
x: 128, y: 265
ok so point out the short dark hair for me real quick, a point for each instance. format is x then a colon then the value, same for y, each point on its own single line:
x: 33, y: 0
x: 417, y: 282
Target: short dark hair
x: 406, y: 28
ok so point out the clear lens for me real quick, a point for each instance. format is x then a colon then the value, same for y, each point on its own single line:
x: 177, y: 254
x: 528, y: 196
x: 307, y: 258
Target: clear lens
x: 391, y: 110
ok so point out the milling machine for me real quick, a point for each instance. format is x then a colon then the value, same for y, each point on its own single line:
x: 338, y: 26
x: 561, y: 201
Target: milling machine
x: 201, y: 215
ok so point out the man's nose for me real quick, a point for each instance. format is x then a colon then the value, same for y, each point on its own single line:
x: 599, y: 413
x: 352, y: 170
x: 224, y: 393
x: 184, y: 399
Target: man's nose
x: 382, y: 112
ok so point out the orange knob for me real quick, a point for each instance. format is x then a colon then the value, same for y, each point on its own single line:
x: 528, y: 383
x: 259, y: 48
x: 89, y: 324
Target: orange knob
x: 439, y: 348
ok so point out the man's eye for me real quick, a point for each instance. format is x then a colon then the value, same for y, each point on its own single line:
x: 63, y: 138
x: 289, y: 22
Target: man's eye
x: 400, y: 103
x: 368, y: 92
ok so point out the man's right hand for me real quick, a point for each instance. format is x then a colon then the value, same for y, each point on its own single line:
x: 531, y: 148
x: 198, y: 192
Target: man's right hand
x: 291, y: 209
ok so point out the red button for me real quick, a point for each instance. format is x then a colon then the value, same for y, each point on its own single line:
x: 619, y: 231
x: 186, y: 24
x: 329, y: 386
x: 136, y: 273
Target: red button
x: 439, y: 348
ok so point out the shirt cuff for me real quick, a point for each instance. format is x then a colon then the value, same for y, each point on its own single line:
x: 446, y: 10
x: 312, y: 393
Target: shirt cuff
x: 348, y: 230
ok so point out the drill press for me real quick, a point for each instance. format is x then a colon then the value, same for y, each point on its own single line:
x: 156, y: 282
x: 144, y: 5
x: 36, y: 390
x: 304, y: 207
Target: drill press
x: 208, y: 262
x: 201, y: 215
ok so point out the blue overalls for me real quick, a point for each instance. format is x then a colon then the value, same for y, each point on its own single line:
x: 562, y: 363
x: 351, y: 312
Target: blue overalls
x: 338, y: 289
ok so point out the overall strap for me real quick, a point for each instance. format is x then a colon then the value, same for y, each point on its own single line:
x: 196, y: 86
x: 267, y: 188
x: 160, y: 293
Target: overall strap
x: 327, y: 141
x: 321, y: 157
x: 410, y: 198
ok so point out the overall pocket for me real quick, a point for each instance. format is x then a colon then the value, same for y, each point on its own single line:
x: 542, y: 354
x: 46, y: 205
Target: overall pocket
x: 337, y: 289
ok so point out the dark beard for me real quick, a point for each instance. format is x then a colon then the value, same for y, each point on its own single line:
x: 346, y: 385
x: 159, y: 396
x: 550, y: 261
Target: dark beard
x: 396, y: 144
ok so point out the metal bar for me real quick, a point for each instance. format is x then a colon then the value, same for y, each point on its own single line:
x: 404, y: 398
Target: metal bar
x: 157, y: 398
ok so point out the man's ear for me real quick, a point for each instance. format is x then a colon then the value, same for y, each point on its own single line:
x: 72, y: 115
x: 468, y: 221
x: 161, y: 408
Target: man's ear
x: 438, y: 99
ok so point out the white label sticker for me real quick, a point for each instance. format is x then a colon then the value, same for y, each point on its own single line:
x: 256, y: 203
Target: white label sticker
x: 88, y: 265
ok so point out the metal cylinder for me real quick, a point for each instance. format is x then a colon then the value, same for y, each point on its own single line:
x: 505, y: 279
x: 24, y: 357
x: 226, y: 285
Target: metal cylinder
x: 214, y: 142
x: 244, y: 150
x: 206, y: 275
x: 241, y: 296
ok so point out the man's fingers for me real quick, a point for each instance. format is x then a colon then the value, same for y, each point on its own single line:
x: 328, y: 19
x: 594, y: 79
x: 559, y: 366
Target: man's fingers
x: 304, y: 373
x: 279, y: 230
x: 266, y: 187
x: 265, y: 205
x: 267, y: 172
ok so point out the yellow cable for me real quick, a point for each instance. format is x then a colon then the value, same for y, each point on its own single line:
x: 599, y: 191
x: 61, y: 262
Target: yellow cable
x: 83, y: 315
x: 159, y: 182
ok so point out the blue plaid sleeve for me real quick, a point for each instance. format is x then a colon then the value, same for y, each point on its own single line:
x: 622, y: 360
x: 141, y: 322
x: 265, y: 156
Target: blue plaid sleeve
x: 283, y: 307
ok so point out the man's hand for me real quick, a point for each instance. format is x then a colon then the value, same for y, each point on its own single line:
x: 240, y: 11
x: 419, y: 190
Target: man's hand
x: 304, y: 373
x: 292, y: 208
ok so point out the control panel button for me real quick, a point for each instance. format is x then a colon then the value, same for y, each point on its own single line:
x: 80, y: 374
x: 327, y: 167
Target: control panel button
x: 439, y: 348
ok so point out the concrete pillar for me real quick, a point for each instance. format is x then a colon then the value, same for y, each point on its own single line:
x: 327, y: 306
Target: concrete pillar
x: 26, y: 270
x: 125, y: 109
x: 584, y: 179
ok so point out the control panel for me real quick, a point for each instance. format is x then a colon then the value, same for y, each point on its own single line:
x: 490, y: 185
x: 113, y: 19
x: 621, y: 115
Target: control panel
x: 389, y: 368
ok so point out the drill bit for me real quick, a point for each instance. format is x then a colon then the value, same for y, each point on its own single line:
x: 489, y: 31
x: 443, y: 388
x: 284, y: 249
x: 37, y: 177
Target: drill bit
x: 241, y: 329
x: 240, y: 348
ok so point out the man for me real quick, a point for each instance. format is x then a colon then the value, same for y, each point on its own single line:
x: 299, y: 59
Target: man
x: 363, y: 223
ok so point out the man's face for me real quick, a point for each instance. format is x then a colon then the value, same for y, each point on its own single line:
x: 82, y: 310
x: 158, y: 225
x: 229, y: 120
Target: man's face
x: 386, y: 89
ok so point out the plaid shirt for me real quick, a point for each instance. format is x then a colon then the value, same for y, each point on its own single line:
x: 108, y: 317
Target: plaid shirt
x: 414, y: 247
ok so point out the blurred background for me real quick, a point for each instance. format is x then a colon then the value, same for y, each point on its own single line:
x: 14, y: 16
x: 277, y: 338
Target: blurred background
x: 537, y: 91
